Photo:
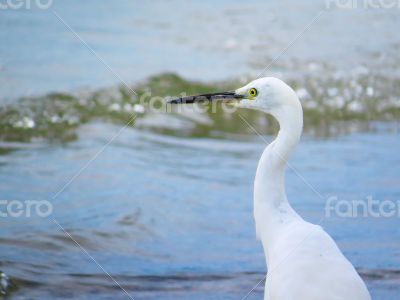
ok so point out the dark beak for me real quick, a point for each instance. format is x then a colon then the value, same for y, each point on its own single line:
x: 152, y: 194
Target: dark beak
x: 223, y: 97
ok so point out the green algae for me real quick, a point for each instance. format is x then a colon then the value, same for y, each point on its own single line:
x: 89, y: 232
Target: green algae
x: 326, y: 102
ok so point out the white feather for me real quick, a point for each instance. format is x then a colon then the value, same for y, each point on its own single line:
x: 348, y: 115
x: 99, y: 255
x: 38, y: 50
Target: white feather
x: 304, y: 263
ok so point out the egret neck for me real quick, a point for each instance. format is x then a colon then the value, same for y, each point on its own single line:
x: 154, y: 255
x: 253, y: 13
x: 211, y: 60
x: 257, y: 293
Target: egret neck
x: 272, y: 210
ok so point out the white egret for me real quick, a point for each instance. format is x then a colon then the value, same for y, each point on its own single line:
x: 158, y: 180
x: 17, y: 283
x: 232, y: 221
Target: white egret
x: 303, y: 261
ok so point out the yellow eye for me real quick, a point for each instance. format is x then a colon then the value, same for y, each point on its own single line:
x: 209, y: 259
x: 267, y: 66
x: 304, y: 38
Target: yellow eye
x: 253, y: 92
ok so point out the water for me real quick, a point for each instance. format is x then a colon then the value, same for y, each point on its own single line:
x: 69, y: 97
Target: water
x: 166, y: 208
x: 201, y: 40
x: 172, y: 217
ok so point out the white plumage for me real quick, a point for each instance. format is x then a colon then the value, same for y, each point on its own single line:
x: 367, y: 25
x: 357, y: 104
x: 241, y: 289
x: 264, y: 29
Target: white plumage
x: 304, y: 263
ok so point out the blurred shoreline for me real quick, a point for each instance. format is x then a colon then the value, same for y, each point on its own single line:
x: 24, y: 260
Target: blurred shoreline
x: 339, y: 105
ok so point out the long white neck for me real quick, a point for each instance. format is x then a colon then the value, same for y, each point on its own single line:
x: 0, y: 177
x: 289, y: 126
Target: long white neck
x: 272, y: 210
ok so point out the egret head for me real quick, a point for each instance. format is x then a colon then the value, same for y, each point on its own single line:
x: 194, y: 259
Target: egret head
x: 268, y: 94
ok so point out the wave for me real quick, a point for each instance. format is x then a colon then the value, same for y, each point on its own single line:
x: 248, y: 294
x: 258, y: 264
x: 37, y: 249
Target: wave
x: 80, y: 283
x: 330, y: 103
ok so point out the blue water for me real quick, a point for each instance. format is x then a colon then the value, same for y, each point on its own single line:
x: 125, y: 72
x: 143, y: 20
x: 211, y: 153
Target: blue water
x: 204, y: 40
x: 172, y: 218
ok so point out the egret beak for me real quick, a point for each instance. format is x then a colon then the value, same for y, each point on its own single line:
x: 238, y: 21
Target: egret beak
x: 223, y: 97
